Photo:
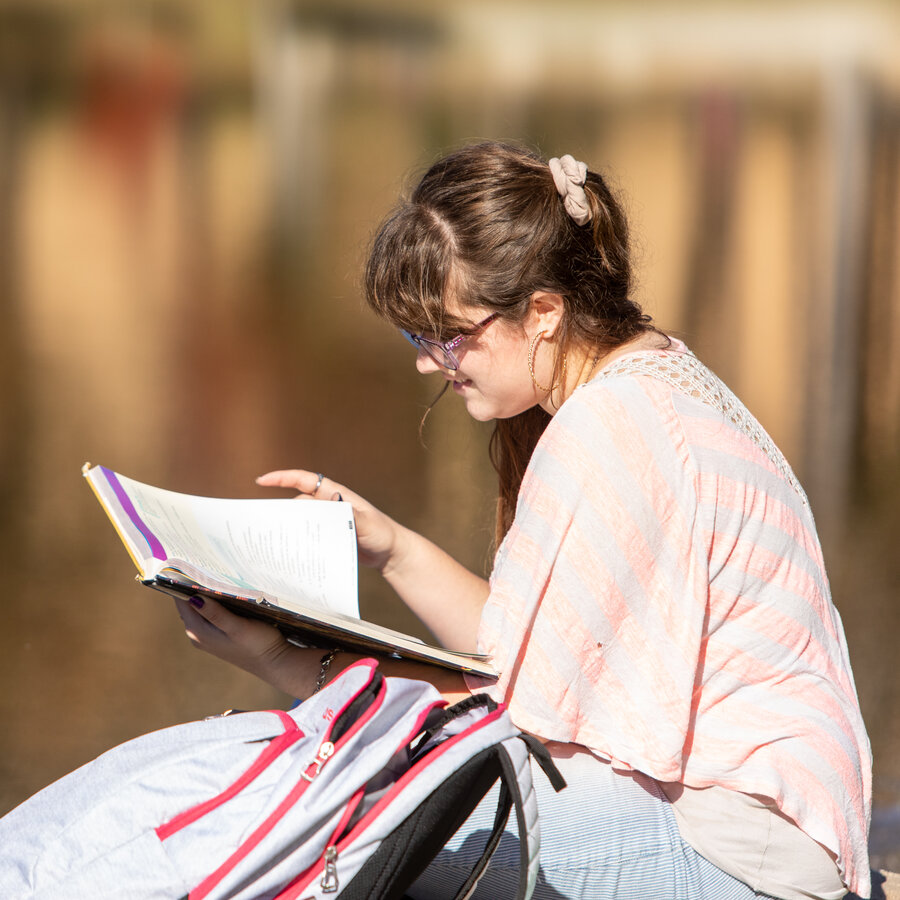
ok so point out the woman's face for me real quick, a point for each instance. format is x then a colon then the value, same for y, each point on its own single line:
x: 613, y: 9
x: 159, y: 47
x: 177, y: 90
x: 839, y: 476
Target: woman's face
x: 493, y: 378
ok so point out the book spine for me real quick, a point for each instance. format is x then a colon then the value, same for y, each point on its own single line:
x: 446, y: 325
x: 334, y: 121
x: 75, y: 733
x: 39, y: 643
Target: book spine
x: 91, y: 474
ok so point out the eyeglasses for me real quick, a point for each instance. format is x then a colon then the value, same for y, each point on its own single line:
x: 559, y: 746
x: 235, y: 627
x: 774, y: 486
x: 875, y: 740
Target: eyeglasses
x: 442, y: 351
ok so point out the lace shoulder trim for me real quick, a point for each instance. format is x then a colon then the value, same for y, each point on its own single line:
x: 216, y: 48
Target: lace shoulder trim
x: 686, y: 374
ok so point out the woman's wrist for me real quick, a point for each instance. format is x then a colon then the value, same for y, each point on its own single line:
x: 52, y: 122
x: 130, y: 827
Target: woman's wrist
x: 300, y: 672
x: 293, y: 671
x: 393, y: 561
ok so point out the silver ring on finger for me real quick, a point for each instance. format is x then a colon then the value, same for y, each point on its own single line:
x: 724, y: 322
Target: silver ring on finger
x: 319, y: 479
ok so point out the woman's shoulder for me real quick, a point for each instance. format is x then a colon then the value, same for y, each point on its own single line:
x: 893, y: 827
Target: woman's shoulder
x: 636, y: 385
x: 628, y: 416
x: 673, y: 364
x: 669, y: 386
x: 698, y: 411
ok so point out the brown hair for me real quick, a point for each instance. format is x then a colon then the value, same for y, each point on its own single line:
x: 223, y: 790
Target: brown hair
x: 486, y: 226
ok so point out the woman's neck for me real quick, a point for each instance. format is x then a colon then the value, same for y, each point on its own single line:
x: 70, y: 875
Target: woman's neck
x: 584, y: 363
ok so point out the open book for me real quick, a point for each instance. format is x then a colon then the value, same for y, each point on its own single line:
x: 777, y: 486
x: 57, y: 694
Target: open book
x: 288, y: 562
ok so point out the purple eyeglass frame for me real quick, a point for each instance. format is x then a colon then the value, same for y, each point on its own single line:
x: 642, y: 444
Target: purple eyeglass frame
x: 442, y: 351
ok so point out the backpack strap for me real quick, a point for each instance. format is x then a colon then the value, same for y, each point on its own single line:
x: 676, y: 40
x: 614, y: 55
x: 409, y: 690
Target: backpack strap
x: 545, y: 761
x: 517, y: 790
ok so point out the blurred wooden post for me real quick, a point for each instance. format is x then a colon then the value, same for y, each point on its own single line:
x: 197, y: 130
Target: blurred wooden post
x: 12, y: 410
x: 295, y: 68
x: 835, y: 309
x: 26, y: 43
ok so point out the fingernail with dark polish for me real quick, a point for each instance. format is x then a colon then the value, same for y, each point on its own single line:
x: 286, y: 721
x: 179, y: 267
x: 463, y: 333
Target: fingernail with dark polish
x: 196, y: 602
x: 339, y: 497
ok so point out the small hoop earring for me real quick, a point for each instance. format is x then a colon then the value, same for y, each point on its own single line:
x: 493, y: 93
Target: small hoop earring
x: 534, y: 380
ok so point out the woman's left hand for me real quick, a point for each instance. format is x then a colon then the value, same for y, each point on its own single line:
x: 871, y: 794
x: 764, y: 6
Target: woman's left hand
x: 263, y: 650
x: 251, y: 645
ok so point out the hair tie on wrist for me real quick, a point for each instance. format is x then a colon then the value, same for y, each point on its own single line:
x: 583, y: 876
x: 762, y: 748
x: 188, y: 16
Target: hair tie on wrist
x: 569, y: 176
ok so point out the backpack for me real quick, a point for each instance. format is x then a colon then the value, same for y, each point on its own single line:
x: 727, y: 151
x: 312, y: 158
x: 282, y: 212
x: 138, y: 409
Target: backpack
x: 350, y: 795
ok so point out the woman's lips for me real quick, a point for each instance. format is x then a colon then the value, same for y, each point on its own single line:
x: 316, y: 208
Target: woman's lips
x: 460, y: 384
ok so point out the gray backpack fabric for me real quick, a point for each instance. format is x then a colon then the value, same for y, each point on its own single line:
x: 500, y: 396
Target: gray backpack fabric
x: 349, y: 795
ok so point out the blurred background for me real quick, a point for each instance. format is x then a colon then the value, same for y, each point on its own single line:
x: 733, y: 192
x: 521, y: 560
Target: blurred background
x: 187, y: 190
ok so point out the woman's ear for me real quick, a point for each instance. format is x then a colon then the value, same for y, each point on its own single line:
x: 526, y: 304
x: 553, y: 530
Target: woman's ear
x: 546, y: 312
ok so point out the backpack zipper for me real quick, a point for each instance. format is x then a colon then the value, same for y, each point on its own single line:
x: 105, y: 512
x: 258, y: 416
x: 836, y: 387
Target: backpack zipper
x: 325, y: 752
x: 329, y: 882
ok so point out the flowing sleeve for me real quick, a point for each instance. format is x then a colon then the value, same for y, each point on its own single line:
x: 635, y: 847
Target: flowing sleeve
x: 595, y: 618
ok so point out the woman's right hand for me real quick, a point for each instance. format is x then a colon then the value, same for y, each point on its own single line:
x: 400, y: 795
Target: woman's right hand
x: 376, y: 533
x: 411, y: 564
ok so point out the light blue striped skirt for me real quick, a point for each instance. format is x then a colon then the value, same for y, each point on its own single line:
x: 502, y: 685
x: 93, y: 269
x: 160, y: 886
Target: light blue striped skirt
x: 606, y: 835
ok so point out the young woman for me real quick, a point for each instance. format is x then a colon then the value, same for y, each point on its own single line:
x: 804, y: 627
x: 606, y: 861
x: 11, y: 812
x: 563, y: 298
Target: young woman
x: 658, y: 608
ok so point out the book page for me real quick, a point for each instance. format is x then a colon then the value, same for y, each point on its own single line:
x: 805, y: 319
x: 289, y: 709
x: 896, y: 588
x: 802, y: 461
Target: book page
x: 285, y: 550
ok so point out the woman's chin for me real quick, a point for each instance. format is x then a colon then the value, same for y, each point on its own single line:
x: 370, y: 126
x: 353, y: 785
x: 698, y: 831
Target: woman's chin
x: 479, y: 413
x: 476, y: 407
x: 483, y: 410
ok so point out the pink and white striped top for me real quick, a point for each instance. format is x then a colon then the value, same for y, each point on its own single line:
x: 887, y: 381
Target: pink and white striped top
x: 661, y: 599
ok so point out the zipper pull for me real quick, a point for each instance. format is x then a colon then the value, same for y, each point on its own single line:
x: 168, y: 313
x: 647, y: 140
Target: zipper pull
x: 329, y: 882
x: 326, y: 751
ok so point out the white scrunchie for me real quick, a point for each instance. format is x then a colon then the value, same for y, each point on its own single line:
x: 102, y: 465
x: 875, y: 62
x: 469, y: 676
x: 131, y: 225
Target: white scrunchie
x: 569, y: 176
